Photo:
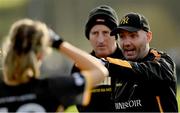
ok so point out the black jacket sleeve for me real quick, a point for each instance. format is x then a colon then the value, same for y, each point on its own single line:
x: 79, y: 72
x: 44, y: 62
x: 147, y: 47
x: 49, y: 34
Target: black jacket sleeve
x: 158, y: 68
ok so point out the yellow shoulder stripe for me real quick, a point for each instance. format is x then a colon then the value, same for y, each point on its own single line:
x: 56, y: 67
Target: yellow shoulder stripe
x: 159, y: 104
x: 156, y: 54
x: 120, y: 62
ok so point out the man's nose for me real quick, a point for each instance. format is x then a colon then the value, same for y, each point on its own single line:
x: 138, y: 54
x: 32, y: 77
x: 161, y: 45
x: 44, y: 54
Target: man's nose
x: 126, y: 41
x: 100, y: 38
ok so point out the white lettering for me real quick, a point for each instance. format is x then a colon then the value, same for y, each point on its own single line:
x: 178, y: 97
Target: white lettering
x: 17, y: 98
x: 131, y: 103
x: 31, y: 108
x: 128, y: 104
x: 139, y: 103
x: 26, y: 108
x: 107, y: 81
x: 119, y: 105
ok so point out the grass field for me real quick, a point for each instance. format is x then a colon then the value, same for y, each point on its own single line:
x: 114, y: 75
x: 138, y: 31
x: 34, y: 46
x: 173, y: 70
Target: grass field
x: 74, y: 109
x: 71, y: 109
x: 178, y: 96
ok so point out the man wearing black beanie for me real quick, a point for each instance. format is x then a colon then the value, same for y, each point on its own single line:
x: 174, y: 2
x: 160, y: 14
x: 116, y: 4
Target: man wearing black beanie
x: 101, y: 21
x: 103, y: 15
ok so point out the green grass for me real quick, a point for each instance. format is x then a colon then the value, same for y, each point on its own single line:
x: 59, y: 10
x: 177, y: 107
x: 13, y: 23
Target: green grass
x: 71, y: 109
x: 178, y: 96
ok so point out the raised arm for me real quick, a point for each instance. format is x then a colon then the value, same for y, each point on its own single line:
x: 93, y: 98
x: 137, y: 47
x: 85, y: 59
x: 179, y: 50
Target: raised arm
x: 89, y: 66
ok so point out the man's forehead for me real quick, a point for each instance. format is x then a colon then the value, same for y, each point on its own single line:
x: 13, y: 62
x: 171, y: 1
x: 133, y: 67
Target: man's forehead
x: 100, y: 27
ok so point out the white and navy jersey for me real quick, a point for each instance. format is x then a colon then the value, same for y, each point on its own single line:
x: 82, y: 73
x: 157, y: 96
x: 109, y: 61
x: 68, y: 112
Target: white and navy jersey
x: 41, y: 95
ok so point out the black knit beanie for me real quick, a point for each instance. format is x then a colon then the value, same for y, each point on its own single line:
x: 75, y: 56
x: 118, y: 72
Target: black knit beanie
x: 102, y: 14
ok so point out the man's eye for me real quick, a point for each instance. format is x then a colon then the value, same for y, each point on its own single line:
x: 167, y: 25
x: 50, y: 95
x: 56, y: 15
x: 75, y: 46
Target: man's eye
x: 106, y: 32
x: 121, y: 36
x: 94, y: 33
x: 133, y: 35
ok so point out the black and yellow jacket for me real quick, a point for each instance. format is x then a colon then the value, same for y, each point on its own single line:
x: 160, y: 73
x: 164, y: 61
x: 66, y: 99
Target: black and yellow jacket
x: 148, y: 85
x: 101, y: 95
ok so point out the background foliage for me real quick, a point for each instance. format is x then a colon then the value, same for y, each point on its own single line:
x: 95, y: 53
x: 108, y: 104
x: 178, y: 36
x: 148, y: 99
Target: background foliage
x: 68, y: 18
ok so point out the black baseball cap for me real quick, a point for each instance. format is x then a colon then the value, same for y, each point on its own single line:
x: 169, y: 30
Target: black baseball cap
x: 132, y: 22
x: 102, y: 14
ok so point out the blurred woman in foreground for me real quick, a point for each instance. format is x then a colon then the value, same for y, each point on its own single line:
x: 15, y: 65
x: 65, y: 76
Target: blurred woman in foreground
x: 22, y: 90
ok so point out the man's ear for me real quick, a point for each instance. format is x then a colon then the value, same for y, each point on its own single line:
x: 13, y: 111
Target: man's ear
x: 149, y: 36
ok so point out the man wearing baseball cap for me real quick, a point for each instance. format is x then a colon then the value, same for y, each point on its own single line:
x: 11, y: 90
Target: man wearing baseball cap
x: 101, y: 21
x: 146, y: 80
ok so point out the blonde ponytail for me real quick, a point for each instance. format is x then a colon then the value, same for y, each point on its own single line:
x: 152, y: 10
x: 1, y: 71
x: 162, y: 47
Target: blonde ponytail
x: 27, y: 38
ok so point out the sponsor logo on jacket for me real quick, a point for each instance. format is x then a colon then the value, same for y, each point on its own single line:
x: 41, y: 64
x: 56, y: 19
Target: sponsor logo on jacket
x: 128, y: 104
